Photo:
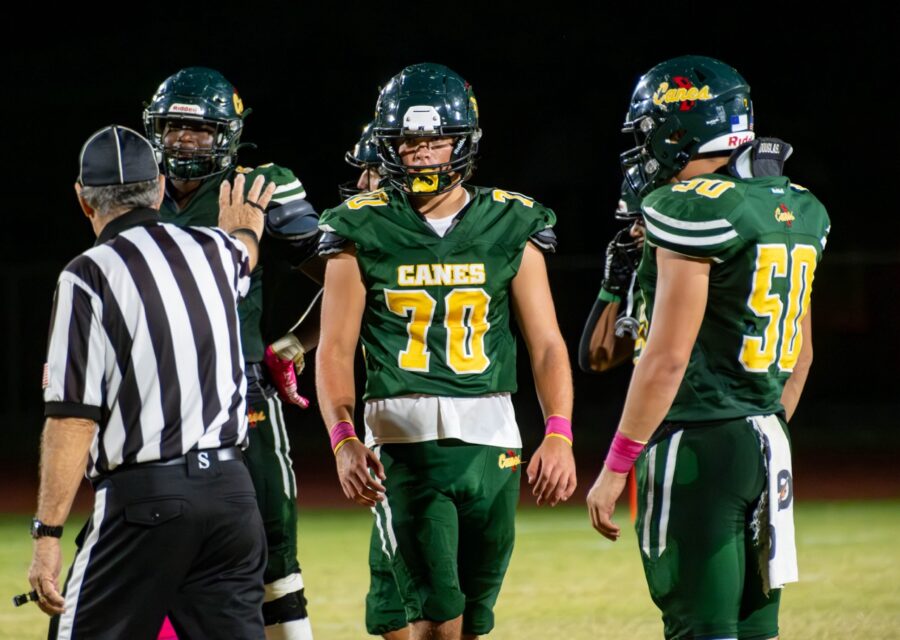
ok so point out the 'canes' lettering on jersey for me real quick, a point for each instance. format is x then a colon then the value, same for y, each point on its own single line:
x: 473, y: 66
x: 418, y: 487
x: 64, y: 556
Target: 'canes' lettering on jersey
x: 437, y: 312
x: 202, y: 210
x: 765, y: 237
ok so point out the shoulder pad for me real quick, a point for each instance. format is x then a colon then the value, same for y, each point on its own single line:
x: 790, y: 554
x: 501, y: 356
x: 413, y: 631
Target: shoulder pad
x: 760, y: 158
x: 293, y: 220
x: 331, y: 243
x: 545, y: 239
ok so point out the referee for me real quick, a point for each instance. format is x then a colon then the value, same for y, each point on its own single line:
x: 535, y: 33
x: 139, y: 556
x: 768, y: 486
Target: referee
x: 144, y: 386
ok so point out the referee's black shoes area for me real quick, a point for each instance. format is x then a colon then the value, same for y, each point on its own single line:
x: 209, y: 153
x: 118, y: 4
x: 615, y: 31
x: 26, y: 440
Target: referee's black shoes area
x: 181, y: 537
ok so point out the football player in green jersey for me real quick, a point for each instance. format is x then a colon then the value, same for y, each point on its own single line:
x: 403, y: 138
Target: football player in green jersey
x: 194, y: 121
x: 424, y: 272
x: 726, y: 276
x: 615, y: 329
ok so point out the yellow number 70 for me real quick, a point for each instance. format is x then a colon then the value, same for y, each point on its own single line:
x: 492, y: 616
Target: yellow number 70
x: 465, y: 320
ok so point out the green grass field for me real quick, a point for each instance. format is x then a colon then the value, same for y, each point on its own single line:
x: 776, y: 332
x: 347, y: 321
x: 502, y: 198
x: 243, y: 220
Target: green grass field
x: 568, y: 583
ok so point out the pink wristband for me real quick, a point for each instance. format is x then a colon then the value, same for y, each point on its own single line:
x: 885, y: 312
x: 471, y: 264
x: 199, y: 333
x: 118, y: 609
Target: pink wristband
x: 559, y: 427
x: 622, y: 453
x: 343, y: 430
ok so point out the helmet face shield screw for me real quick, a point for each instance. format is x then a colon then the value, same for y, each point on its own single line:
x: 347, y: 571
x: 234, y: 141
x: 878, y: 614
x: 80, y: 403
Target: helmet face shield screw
x: 646, y: 125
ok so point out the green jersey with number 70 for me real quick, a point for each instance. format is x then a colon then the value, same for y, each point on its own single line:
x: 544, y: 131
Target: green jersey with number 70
x: 437, y: 308
x: 764, y: 237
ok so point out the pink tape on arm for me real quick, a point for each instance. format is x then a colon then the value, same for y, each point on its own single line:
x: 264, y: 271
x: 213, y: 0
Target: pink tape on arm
x: 622, y: 453
x: 559, y: 427
x: 340, y: 433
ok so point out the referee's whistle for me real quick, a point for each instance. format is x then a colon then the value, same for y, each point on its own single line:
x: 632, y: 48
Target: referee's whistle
x: 25, y: 598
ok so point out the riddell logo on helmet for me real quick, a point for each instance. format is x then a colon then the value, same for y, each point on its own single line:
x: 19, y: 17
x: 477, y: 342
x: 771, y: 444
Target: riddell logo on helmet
x: 192, y: 109
x: 736, y: 141
x: 686, y: 93
x: 783, y: 214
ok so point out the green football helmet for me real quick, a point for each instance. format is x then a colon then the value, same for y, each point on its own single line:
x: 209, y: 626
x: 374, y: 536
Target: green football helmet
x: 684, y: 108
x: 427, y: 100
x: 194, y: 97
x: 363, y: 156
x: 629, y: 207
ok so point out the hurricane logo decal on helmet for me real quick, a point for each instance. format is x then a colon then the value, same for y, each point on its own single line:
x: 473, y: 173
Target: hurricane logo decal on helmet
x: 680, y: 109
x: 192, y: 98
x: 427, y: 101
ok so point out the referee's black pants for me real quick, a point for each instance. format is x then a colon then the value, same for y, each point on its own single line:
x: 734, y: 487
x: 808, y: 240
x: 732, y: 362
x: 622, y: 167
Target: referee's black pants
x: 184, y: 540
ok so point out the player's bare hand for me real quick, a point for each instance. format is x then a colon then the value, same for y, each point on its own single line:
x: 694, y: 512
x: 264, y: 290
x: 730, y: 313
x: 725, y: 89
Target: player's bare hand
x: 601, y: 501
x: 46, y: 563
x: 360, y: 472
x: 551, y: 472
x: 236, y: 211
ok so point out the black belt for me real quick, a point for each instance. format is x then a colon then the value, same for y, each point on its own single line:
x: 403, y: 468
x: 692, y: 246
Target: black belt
x: 222, y: 455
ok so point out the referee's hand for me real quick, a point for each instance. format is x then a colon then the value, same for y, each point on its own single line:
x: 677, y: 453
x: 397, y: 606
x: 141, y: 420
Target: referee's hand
x: 46, y: 563
x: 354, y: 460
x: 238, y: 212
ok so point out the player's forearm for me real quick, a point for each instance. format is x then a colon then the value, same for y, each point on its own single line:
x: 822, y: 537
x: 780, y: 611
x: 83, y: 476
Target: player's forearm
x: 335, y: 384
x: 553, y: 377
x: 587, y: 347
x: 653, y: 387
x: 793, y: 388
x: 603, y: 338
x: 65, y: 444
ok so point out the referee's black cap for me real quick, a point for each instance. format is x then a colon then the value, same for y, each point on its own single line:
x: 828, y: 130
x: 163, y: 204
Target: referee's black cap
x: 116, y: 155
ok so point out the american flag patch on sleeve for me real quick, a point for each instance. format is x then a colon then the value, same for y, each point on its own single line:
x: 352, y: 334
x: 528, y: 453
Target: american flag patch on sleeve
x: 45, y: 380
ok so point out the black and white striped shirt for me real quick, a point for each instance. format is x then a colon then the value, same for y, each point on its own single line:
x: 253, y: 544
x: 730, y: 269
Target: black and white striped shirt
x: 144, y: 340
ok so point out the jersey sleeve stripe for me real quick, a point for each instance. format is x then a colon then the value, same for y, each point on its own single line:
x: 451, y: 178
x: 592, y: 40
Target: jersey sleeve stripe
x: 290, y: 186
x: 686, y: 226
x: 690, y: 241
x: 279, y: 199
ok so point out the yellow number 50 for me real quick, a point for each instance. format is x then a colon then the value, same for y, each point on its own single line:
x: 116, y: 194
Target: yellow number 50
x: 465, y: 321
x: 758, y: 353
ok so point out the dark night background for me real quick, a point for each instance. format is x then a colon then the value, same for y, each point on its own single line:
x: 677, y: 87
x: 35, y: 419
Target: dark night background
x: 552, y: 91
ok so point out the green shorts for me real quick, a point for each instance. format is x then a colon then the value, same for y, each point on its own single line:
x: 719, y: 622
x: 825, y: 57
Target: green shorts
x: 447, y: 524
x: 698, y: 489
x: 384, y: 606
x: 268, y: 459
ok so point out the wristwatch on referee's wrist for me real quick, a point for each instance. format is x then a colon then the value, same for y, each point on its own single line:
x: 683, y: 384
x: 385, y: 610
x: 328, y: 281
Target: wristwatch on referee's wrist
x: 41, y: 530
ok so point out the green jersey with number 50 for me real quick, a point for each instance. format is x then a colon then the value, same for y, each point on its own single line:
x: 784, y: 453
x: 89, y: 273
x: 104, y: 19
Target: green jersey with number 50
x: 437, y: 308
x: 764, y: 237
